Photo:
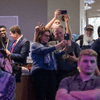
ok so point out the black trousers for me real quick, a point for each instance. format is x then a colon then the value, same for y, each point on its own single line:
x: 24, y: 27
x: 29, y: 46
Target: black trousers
x: 44, y: 84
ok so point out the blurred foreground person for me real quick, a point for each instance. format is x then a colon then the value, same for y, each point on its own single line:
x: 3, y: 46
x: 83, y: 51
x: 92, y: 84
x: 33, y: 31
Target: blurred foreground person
x: 7, y: 81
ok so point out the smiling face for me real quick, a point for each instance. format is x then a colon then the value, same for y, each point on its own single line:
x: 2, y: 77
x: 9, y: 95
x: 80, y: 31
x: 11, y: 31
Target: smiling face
x: 87, y: 64
x: 3, y: 32
x: 58, y: 33
x: 45, y: 37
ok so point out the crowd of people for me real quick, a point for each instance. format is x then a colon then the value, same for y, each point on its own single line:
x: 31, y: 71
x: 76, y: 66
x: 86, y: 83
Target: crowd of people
x: 62, y: 69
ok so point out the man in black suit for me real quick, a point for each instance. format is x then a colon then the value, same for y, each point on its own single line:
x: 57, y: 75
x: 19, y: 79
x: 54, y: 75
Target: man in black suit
x: 18, y: 49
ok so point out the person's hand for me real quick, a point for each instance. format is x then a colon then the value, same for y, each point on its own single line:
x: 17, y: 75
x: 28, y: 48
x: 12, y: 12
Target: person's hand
x: 72, y: 58
x: 37, y: 28
x: 57, y: 13
x: 67, y: 45
x: 66, y: 17
x: 63, y: 43
x: 8, y: 52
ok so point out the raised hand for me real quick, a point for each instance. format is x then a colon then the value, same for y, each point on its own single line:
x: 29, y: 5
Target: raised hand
x: 37, y: 29
x: 57, y: 13
x: 66, y: 17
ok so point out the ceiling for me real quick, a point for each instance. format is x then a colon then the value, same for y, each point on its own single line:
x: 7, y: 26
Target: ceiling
x: 95, y: 11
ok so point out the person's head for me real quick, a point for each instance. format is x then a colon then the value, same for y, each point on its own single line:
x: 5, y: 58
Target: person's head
x: 3, y: 31
x: 58, y: 32
x: 98, y: 31
x: 89, y: 30
x: 56, y: 22
x: 15, y: 32
x: 87, y: 61
x: 43, y: 36
x: 88, y: 35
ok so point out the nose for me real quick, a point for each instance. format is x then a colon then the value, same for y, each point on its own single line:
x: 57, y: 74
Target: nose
x: 89, y: 63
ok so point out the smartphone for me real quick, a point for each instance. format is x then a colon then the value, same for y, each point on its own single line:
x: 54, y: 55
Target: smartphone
x: 66, y: 36
x: 63, y: 11
x: 71, y: 53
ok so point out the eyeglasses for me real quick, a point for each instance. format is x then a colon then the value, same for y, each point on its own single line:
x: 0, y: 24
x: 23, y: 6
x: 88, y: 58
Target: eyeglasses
x: 47, y: 35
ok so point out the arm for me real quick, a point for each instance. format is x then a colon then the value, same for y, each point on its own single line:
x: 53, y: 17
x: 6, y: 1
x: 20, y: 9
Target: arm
x: 56, y: 14
x: 66, y: 19
x: 62, y: 94
x: 40, y: 49
x: 37, y: 29
x: 86, y: 95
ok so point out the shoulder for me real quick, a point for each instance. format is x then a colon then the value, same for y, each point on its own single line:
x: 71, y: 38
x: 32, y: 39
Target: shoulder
x: 24, y: 39
x: 96, y: 43
x: 66, y: 80
x: 36, y: 44
x: 74, y: 43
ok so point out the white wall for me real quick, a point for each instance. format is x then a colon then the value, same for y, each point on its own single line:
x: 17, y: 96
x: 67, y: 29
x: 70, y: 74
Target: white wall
x: 73, y: 8
x: 82, y: 17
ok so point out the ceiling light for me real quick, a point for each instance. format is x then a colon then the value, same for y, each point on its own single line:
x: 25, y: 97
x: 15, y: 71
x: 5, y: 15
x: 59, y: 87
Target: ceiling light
x: 89, y: 1
x: 87, y: 7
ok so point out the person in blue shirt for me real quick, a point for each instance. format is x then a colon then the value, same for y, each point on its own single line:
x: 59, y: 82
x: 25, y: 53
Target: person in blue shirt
x: 44, y: 65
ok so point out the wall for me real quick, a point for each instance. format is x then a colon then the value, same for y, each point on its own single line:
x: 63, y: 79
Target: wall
x: 82, y: 17
x: 73, y: 8
x: 29, y: 12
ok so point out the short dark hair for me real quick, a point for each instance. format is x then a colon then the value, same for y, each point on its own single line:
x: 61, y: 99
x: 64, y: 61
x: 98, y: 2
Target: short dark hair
x: 98, y: 31
x: 15, y: 28
x: 2, y: 26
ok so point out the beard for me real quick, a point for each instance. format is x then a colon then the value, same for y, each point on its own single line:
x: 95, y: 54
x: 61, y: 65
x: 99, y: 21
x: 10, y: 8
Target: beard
x: 87, y: 38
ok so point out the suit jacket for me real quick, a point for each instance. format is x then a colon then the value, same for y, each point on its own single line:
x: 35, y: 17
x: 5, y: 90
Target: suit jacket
x: 20, y: 51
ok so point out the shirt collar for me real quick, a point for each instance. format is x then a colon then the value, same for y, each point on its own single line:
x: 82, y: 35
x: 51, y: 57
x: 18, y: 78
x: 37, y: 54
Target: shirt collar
x: 79, y: 78
x: 19, y: 38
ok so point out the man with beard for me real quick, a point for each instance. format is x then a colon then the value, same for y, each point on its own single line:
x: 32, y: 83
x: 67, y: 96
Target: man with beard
x: 4, y: 42
x: 85, y: 86
x: 85, y: 41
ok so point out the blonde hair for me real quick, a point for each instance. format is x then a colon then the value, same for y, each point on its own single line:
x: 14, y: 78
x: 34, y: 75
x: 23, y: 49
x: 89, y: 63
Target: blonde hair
x: 88, y: 52
x: 57, y: 27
